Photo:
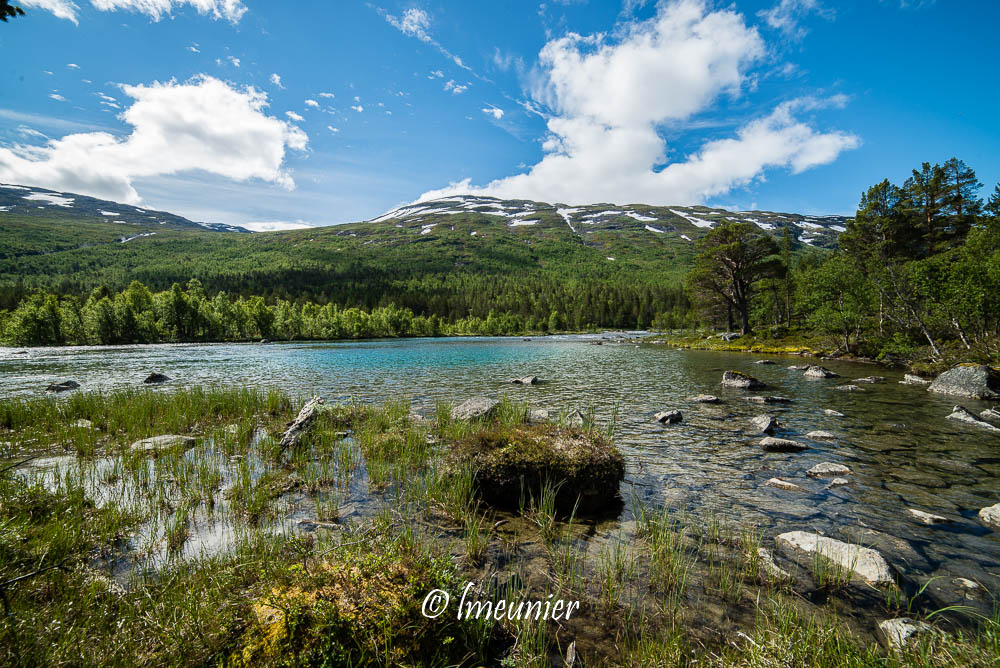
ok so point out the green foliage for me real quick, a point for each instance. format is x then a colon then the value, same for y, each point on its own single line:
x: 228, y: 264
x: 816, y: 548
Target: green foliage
x: 9, y: 11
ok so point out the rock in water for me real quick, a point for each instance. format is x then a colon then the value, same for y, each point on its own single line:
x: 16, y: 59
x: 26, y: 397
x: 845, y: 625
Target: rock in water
x: 763, y: 362
x: 705, y: 399
x: 838, y: 482
x: 819, y: 372
x: 798, y: 367
x: 783, y: 484
x: 741, y: 380
x: 63, y: 386
x: 848, y: 388
x: 771, y: 444
x: 865, y: 563
x: 763, y: 424
x: 576, y: 419
x: 769, y: 400
x: 910, y: 379
x: 976, y: 381
x: 991, y: 414
x: 959, y: 413
x: 156, y: 378
x: 477, y: 407
x: 525, y: 380
x: 898, y: 632
x: 165, y: 442
x: 668, y: 417
x: 827, y: 469
x: 301, y: 423
x: 830, y: 411
x: 537, y: 415
x: 991, y: 515
x: 821, y: 436
x: 871, y: 379
x: 768, y: 566
x: 927, y: 518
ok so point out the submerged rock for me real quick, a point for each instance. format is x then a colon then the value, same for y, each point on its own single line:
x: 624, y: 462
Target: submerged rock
x: 820, y: 435
x: 741, y: 380
x: 475, y: 408
x: 62, y: 386
x: 763, y: 424
x: 827, y: 469
x: 165, y: 442
x: 783, y: 484
x: 511, y: 462
x: 525, y: 380
x: 798, y: 367
x: 910, y: 379
x: 769, y: 400
x: 866, y: 564
x: 870, y: 379
x: 976, y: 381
x: 901, y: 631
x: 705, y: 399
x: 156, y: 378
x: 837, y: 482
x: 960, y: 414
x: 301, y: 423
x: 668, y: 417
x: 814, y: 371
x: 768, y: 566
x: 848, y: 388
x: 771, y: 444
x: 991, y: 515
x: 830, y: 411
x: 763, y: 362
x: 927, y: 518
x: 991, y: 414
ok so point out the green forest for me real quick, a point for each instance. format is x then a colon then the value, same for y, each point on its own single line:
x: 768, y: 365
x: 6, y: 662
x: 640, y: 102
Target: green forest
x: 916, y: 276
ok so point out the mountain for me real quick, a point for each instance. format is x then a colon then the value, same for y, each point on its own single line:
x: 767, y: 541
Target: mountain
x: 35, y: 202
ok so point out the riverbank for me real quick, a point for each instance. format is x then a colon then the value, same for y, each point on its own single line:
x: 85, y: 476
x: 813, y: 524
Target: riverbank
x: 225, y: 547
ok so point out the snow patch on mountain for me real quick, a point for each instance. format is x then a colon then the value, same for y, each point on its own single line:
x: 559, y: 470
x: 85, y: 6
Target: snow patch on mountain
x: 697, y: 222
x: 51, y: 198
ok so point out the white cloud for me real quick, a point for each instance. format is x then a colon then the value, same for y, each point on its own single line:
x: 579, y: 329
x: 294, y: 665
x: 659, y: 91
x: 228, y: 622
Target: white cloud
x: 495, y: 112
x: 358, y: 108
x: 603, y: 142
x: 455, y: 88
x: 312, y: 103
x: 72, y: 66
x: 276, y: 80
x: 333, y: 129
x: 416, y: 22
x: 786, y: 15
x: 30, y: 132
x: 436, y: 74
x: 234, y: 61
x: 231, y: 10
x: 202, y: 124
x: 57, y: 96
x: 327, y: 95
x: 193, y: 49
x: 295, y: 117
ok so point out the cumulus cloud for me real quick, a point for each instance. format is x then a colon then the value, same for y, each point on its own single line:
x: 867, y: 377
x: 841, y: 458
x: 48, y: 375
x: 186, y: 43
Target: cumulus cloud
x: 312, y: 103
x: 72, y: 66
x: 603, y: 142
x: 327, y: 95
x: 230, y: 10
x: 455, y: 88
x: 202, y: 124
x: 276, y: 80
x: 295, y: 117
x: 495, y: 112
x: 57, y: 97
x: 358, y: 108
x: 333, y: 129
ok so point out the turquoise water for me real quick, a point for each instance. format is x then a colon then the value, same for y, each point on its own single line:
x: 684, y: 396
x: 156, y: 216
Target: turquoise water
x: 902, y: 451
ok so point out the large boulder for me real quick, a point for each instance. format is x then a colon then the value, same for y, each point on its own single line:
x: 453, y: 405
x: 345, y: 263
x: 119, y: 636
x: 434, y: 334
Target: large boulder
x: 156, y: 378
x: 960, y: 414
x: 763, y: 424
x: 975, y: 381
x: 165, y: 442
x: 819, y: 372
x: 62, y: 386
x: 668, y: 417
x: 741, y: 380
x: 509, y: 462
x: 771, y: 444
x: 475, y: 408
x: 864, y: 563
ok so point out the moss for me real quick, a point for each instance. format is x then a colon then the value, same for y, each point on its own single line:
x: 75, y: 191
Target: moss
x: 511, y: 462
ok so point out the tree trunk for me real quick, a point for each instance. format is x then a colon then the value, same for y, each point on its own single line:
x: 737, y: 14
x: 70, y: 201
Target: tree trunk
x: 961, y: 333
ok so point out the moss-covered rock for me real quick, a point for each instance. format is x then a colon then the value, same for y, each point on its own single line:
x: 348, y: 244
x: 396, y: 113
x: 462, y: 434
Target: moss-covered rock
x: 515, y: 462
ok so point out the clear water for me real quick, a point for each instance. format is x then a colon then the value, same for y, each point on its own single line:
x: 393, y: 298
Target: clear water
x: 895, y: 438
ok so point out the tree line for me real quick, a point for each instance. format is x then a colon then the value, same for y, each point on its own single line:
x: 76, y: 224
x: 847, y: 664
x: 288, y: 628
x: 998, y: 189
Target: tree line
x: 918, y: 268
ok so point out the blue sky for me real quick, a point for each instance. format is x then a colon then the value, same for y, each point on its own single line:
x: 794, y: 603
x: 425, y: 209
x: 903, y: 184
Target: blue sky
x: 324, y: 112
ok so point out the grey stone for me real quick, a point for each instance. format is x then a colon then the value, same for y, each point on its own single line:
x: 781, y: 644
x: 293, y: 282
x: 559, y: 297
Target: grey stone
x: 301, y: 423
x: 865, y: 563
x: 976, y: 381
x: 763, y: 362
x: 798, y: 367
x: 741, y: 380
x: 828, y: 469
x: 870, y: 379
x: 783, y: 484
x: 899, y: 632
x: 768, y: 566
x: 814, y: 371
x: 705, y: 399
x: 476, y: 407
x: 156, y: 378
x: 771, y: 444
x: 991, y: 414
x: 837, y: 482
x: 165, y: 442
x: 763, y: 424
x: 991, y: 515
x: 821, y: 436
x: 848, y: 388
x: 525, y: 380
x: 830, y: 411
x: 962, y: 415
x: 536, y: 415
x: 668, y: 417
x: 63, y: 386
x: 576, y: 419
x: 910, y: 379
x: 769, y: 400
x: 927, y: 518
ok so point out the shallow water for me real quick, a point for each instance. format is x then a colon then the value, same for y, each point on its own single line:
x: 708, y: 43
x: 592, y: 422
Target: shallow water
x: 895, y: 438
